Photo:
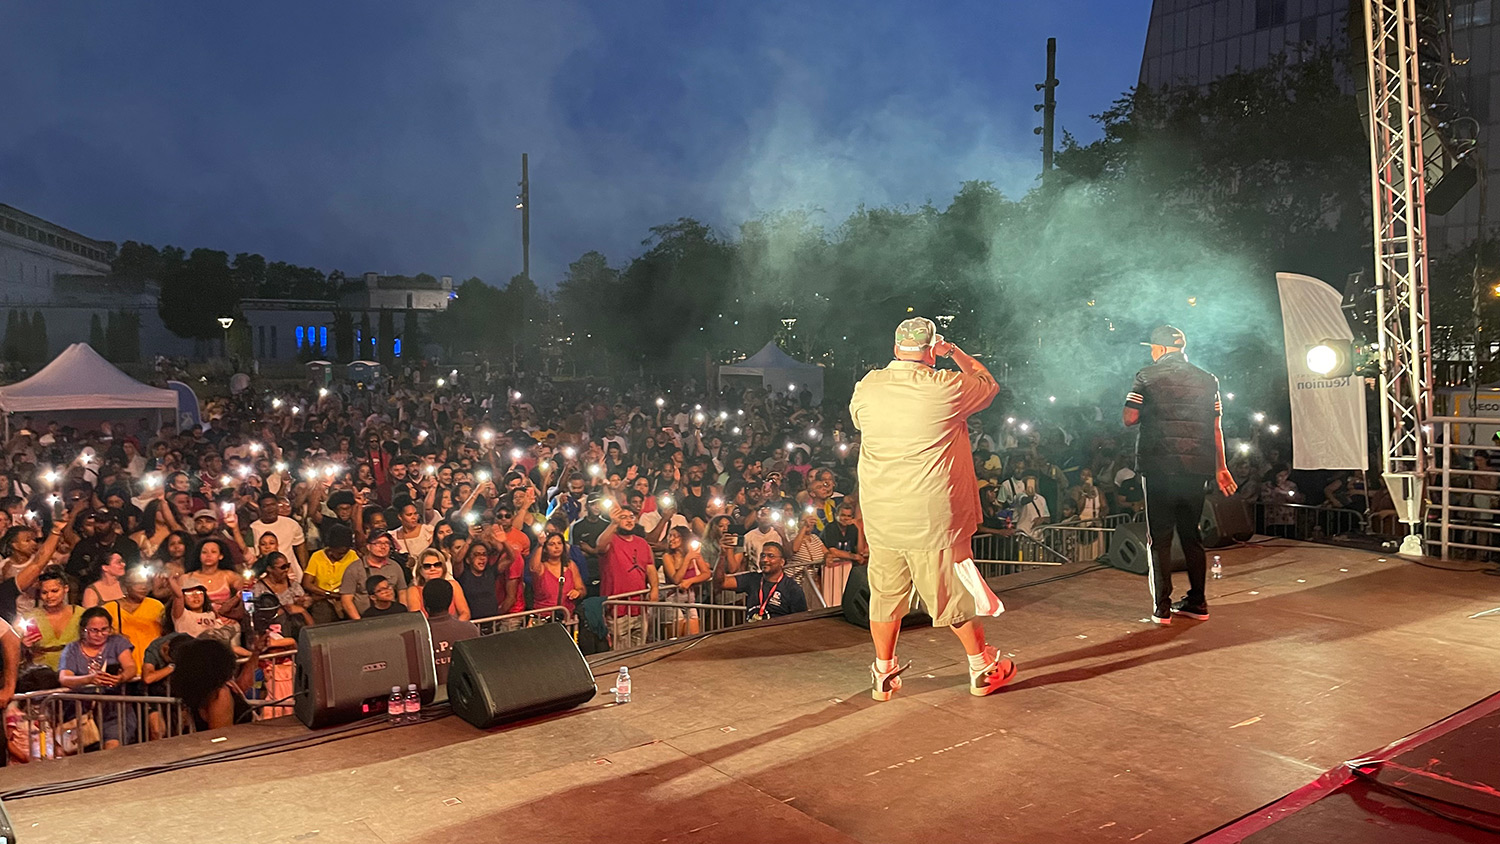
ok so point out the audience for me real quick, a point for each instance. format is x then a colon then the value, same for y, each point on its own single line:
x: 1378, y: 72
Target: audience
x: 465, y: 502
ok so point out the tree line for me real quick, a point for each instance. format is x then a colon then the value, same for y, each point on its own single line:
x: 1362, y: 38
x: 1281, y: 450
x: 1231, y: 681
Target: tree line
x: 1182, y: 211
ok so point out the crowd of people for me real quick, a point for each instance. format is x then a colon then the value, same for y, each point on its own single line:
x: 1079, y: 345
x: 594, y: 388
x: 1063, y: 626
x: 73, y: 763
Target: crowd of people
x: 167, y: 562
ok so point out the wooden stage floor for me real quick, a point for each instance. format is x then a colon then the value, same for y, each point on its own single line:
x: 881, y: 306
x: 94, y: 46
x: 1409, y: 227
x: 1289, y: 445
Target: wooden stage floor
x: 1115, y: 730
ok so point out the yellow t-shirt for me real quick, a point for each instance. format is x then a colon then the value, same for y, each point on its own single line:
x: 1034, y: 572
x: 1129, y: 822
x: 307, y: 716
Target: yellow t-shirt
x: 917, y: 488
x: 327, y: 572
x: 140, y: 627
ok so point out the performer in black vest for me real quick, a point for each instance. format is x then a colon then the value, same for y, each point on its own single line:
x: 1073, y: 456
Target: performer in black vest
x: 1180, y: 449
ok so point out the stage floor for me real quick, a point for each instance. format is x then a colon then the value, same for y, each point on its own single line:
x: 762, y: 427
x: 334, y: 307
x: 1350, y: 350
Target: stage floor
x: 1115, y: 730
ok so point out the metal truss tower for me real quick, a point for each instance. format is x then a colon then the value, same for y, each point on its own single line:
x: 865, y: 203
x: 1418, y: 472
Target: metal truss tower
x: 1398, y: 192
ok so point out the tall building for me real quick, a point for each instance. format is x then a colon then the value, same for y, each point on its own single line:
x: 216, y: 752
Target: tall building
x: 1193, y: 42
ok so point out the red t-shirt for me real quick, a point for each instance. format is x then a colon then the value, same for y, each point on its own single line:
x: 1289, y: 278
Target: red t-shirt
x: 626, y: 566
x: 520, y: 547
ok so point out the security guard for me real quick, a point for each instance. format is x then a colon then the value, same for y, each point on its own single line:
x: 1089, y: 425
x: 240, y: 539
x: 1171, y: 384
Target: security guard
x: 1179, y: 450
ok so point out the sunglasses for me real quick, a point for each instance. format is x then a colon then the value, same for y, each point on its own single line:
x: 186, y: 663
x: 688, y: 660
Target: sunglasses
x: 432, y: 565
x: 284, y: 567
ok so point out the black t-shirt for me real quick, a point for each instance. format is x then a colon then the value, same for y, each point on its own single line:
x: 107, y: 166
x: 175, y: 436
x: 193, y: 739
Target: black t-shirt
x: 479, y: 591
x: 694, y: 506
x: 587, y: 530
x: 394, y: 609
x: 839, y: 538
x: 90, y: 554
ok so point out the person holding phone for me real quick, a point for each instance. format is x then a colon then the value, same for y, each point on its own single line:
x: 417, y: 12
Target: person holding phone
x: 103, y: 659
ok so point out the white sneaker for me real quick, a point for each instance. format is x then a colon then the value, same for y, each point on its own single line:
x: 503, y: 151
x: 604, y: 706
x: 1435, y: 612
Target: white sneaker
x: 995, y: 674
x: 882, y: 686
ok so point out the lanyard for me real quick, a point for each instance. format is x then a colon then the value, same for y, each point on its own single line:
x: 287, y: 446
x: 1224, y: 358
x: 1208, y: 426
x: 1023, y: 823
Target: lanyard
x: 765, y: 597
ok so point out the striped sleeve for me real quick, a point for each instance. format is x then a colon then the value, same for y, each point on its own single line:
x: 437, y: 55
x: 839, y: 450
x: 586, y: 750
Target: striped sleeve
x: 1137, y: 395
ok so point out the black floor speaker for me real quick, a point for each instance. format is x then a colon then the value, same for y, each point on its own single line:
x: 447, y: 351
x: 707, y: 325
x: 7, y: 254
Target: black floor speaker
x: 1225, y: 521
x: 515, y: 675
x: 1128, y: 549
x: 345, y: 670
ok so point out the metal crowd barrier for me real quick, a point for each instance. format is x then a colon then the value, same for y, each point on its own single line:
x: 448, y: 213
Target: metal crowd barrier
x: 996, y: 555
x: 1460, y: 515
x: 1079, y: 543
x: 1306, y: 522
x: 515, y: 620
x: 57, y: 723
x: 660, y: 619
x: 275, y: 682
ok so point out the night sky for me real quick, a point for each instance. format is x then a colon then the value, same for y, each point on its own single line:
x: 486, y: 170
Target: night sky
x: 386, y: 136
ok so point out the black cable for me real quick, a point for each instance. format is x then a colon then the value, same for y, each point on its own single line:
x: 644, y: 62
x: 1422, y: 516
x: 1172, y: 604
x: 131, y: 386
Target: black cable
x: 367, y: 726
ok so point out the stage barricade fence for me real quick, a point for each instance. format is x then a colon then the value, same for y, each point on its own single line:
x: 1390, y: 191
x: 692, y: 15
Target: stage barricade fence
x: 1463, y: 502
x: 1079, y: 543
x: 996, y: 555
x: 517, y: 620
x: 1308, y: 523
x: 275, y: 683
x: 63, y: 723
x: 660, y: 619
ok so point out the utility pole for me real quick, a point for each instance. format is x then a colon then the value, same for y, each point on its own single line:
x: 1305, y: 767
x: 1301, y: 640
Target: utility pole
x: 1048, y: 107
x: 523, y: 202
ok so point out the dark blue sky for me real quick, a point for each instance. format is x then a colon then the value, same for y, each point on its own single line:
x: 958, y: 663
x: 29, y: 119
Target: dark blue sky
x: 386, y: 136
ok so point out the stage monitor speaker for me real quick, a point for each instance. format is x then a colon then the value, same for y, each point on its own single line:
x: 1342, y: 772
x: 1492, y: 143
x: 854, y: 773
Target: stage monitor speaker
x: 345, y: 670
x: 1128, y: 549
x: 1225, y: 521
x: 515, y: 675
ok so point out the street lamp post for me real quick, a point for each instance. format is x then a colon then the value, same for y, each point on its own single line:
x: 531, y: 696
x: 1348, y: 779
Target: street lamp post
x: 224, y: 323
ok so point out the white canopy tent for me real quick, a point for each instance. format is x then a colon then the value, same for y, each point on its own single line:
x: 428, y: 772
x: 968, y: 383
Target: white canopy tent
x: 80, y: 380
x: 778, y: 371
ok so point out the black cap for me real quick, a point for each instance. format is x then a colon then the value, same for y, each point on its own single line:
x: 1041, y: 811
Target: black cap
x: 1168, y: 336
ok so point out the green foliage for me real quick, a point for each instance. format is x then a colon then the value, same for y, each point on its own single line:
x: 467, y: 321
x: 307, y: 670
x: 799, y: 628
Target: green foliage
x: 122, y: 337
x: 366, y: 338
x: 195, y: 292
x: 343, y: 336
x: 96, y: 335
x: 11, y: 349
x: 385, y: 334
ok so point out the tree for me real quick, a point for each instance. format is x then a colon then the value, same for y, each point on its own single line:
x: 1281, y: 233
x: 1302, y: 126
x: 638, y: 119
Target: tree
x: 137, y: 262
x: 97, y: 338
x: 412, y: 336
x: 473, y: 320
x: 40, y: 353
x: 585, y: 299
x: 386, y: 335
x: 366, y: 340
x: 343, y: 336
x: 196, y: 292
x: 249, y: 274
x: 13, y: 339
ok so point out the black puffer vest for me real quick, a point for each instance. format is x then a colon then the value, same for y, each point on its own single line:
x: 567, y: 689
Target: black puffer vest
x: 1180, y: 404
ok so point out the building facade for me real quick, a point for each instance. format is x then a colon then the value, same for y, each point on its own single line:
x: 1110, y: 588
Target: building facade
x: 1193, y: 42
x: 34, y: 252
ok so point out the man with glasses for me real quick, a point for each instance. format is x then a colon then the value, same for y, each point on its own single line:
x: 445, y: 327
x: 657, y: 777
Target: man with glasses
x: 626, y: 565
x: 354, y: 587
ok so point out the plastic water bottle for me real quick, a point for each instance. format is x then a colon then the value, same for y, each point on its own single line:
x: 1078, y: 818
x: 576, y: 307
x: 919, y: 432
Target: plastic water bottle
x: 395, y: 708
x: 622, y: 686
x: 1218, y: 568
x: 413, y: 704
x: 41, y: 738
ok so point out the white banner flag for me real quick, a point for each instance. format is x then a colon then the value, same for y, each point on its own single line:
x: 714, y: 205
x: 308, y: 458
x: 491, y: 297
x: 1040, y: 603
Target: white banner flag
x: 1328, y: 408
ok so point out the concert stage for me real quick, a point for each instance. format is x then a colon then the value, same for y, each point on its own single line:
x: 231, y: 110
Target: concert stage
x: 1115, y: 730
